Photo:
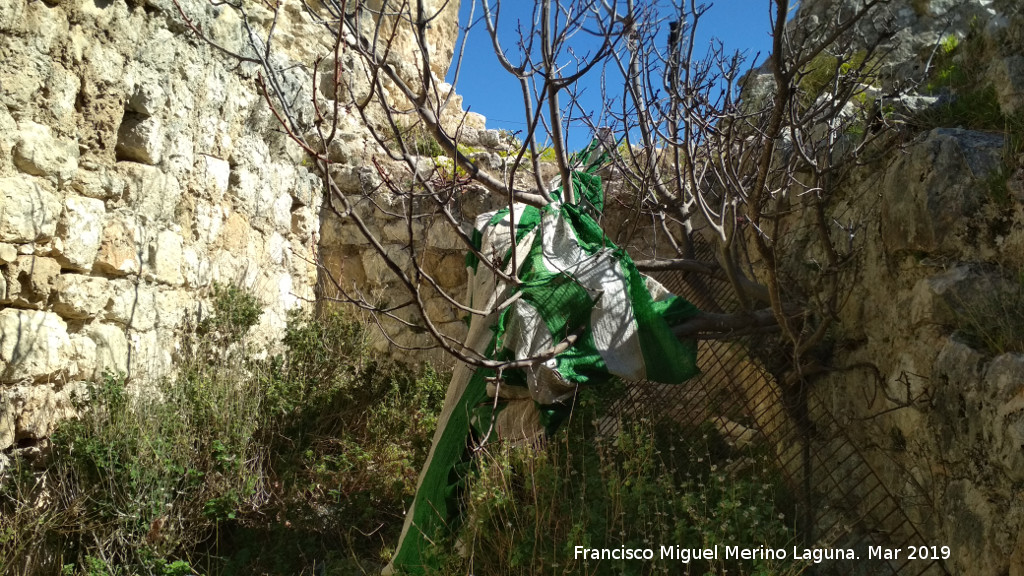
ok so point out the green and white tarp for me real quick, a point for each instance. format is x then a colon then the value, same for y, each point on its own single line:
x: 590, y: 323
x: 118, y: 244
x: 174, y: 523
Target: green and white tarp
x: 574, y: 281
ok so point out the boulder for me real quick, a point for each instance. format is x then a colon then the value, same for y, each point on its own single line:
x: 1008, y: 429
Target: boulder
x: 934, y: 189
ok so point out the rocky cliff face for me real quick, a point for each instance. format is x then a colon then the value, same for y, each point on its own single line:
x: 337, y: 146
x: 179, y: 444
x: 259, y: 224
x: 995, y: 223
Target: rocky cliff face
x: 138, y: 167
x: 937, y: 228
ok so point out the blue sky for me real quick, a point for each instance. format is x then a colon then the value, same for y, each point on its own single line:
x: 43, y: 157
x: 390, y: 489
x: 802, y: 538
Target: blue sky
x: 487, y: 89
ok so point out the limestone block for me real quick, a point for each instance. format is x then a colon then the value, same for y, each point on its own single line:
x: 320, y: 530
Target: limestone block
x: 277, y: 249
x: 236, y: 233
x: 28, y: 211
x: 442, y: 236
x: 148, y: 99
x: 97, y: 181
x: 346, y: 148
x: 33, y: 345
x: 8, y: 253
x: 213, y: 175
x: 119, y: 248
x: 29, y: 281
x: 963, y: 294
x: 377, y: 271
x: 171, y: 306
x: 38, y: 152
x: 179, y: 153
x: 140, y: 139
x: 79, y: 232
x: 397, y: 231
x: 37, y: 411
x: 132, y: 304
x: 152, y: 352
x: 79, y: 296
x: 282, y: 210
x: 440, y: 311
x: 151, y: 193
x: 195, y: 269
x: 1005, y: 379
x: 62, y: 88
x: 7, y: 420
x: 354, y: 85
x: 164, y: 257
x: 286, y: 292
x: 448, y: 269
x: 10, y: 16
x: 82, y: 363
x: 111, y: 349
x: 209, y: 219
x: 303, y: 222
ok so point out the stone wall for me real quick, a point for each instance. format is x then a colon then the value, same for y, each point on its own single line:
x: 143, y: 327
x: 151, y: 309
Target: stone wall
x: 138, y: 167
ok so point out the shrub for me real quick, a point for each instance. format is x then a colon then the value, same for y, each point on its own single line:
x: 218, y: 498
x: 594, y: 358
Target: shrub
x: 237, y: 465
x: 643, y: 487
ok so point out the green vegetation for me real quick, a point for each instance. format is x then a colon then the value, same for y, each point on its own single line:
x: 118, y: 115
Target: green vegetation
x: 821, y: 73
x: 302, y: 462
x: 418, y: 140
x: 643, y: 487
x: 239, y: 465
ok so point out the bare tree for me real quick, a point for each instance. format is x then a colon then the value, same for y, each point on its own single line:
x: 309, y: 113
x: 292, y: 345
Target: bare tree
x: 706, y: 149
x: 712, y: 150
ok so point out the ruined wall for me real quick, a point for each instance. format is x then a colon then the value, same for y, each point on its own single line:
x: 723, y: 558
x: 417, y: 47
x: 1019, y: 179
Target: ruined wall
x: 138, y: 167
